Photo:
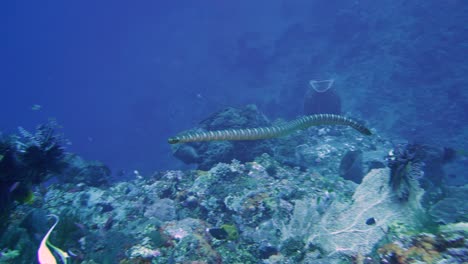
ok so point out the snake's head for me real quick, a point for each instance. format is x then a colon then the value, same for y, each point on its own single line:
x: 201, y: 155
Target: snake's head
x: 173, y: 140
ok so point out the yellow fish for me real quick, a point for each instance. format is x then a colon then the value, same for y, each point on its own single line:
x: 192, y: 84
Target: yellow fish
x: 44, y: 255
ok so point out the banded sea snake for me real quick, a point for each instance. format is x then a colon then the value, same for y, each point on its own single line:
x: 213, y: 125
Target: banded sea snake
x: 271, y: 131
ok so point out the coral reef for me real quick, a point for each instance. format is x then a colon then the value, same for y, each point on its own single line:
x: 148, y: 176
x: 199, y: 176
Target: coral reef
x: 92, y: 173
x: 448, y: 245
x: 289, y: 207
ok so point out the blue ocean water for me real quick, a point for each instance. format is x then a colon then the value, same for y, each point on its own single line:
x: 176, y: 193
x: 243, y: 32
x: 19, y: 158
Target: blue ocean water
x: 122, y: 77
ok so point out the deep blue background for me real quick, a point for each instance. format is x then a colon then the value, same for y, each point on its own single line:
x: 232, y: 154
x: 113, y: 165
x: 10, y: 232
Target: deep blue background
x: 121, y: 77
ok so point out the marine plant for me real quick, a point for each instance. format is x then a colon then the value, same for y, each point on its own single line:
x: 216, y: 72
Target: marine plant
x: 28, y: 160
x: 406, y: 168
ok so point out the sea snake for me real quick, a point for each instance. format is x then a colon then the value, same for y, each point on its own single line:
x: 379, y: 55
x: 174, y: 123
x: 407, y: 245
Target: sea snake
x: 272, y: 131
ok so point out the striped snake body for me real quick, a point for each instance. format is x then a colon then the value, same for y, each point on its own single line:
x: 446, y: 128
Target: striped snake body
x: 272, y: 131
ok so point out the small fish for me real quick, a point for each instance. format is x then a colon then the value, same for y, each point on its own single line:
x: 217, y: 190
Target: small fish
x: 1, y: 157
x: 370, y: 221
x: 14, y: 186
x: 36, y: 107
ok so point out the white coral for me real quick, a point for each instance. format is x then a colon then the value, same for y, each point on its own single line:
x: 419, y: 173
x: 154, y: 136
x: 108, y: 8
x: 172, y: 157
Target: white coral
x: 144, y: 252
x: 342, y: 228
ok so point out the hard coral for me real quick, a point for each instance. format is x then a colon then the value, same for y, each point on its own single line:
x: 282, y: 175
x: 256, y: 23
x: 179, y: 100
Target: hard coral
x: 423, y: 248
